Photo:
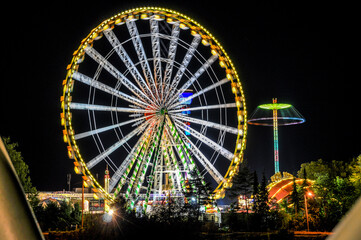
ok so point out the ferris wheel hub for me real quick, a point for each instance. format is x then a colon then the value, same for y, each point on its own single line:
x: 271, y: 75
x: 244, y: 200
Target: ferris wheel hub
x: 163, y: 111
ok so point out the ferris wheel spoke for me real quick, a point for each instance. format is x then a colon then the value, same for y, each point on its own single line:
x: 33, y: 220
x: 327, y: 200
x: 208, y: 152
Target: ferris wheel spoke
x: 224, y: 152
x: 182, y: 149
x: 178, y: 170
x: 114, y: 147
x: 153, y: 147
x: 85, y: 106
x: 154, y: 28
x: 203, y: 91
x: 139, y: 159
x: 105, y: 88
x: 120, y: 172
x: 103, y: 129
x: 171, y: 55
x: 226, y: 105
x: 133, y: 31
x: 199, y: 72
x: 171, y: 159
x: 196, y: 75
x: 159, y: 169
x: 156, y: 161
x: 187, y: 58
x: 207, y: 123
x: 127, y: 164
x: 115, y: 73
x: 204, y: 161
x: 112, y: 38
x: 176, y: 143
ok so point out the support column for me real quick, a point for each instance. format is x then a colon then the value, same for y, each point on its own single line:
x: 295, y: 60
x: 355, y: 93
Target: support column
x: 275, y: 136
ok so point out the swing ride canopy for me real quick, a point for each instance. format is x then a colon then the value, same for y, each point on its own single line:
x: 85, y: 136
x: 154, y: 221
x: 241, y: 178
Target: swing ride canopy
x: 286, y: 115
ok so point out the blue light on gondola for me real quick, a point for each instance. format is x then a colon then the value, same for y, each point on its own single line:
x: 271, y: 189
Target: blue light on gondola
x: 185, y: 95
x: 187, y: 129
x: 186, y: 112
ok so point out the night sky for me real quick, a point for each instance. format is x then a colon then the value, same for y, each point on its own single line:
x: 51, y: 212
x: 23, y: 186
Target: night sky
x: 295, y: 51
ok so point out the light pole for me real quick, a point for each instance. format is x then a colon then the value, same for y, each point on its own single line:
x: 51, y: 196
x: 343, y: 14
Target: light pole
x: 82, y: 205
x: 309, y: 194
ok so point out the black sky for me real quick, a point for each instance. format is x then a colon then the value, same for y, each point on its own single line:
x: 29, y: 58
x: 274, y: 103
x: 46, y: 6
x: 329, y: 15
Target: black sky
x: 297, y: 52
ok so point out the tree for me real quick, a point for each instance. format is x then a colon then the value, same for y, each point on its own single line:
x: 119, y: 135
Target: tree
x: 355, y: 176
x: 242, y: 184
x: 255, y: 190
x: 197, y: 193
x: 58, y: 216
x: 314, y: 169
x: 337, y: 186
x: 22, y: 170
x: 259, y: 220
x: 304, y: 182
x: 263, y: 207
x: 295, y: 198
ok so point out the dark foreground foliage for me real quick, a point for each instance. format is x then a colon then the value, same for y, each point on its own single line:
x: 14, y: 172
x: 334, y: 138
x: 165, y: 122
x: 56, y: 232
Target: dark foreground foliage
x: 126, y: 225
x: 54, y: 216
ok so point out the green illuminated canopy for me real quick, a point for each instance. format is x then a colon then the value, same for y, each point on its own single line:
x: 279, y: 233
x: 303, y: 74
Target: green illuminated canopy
x: 273, y: 106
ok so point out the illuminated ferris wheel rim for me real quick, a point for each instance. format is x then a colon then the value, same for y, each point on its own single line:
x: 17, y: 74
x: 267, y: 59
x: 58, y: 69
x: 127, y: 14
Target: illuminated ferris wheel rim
x: 146, y: 98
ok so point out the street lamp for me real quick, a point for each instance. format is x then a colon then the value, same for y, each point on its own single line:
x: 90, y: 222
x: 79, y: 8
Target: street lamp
x: 108, y: 215
x: 111, y: 211
x: 310, y: 194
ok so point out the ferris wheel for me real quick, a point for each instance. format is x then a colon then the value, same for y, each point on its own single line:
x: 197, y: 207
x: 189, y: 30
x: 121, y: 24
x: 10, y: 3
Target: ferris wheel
x: 152, y: 95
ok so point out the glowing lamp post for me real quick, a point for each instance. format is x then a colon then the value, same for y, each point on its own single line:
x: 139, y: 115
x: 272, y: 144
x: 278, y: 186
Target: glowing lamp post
x: 276, y: 114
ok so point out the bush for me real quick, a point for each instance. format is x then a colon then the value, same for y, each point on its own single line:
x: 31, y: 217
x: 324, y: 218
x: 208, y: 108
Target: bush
x: 60, y: 217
